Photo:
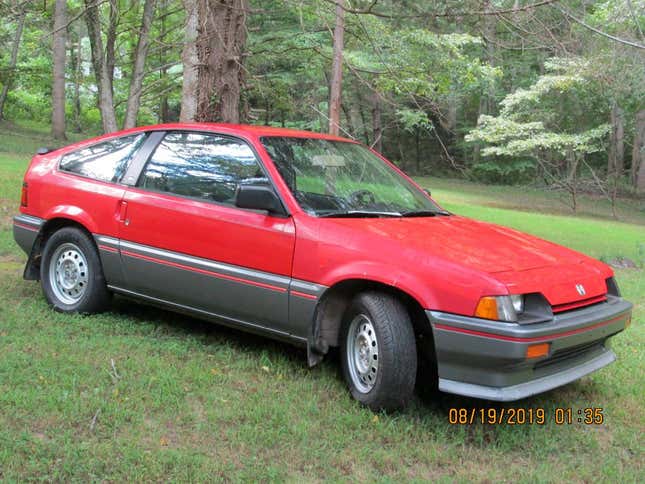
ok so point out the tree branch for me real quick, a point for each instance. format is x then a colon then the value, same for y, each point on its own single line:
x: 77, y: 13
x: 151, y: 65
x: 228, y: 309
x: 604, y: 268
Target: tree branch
x: 600, y: 32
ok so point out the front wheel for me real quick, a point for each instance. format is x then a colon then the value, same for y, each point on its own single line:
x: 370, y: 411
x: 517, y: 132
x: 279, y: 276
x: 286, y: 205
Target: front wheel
x: 71, y: 274
x: 379, y: 356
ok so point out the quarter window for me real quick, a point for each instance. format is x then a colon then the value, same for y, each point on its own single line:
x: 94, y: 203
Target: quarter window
x: 204, y: 166
x: 106, y: 161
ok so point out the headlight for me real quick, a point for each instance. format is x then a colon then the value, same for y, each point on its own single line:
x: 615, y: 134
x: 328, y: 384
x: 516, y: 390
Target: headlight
x: 500, y: 308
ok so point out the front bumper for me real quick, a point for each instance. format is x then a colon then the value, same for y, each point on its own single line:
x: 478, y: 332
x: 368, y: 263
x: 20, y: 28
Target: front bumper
x: 487, y: 359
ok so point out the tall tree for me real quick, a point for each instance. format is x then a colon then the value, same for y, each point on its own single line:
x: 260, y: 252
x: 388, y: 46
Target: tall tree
x: 136, y: 81
x: 377, y: 129
x: 164, y: 108
x: 76, y: 62
x: 14, y: 58
x: 189, y: 60
x: 102, y: 62
x: 213, y: 65
x: 336, y: 81
x: 220, y: 49
x: 638, y: 152
x: 616, y: 158
x: 59, y: 55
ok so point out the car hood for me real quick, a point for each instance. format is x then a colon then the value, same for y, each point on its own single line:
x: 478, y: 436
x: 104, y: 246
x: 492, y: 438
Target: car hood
x: 521, y: 262
x: 478, y: 245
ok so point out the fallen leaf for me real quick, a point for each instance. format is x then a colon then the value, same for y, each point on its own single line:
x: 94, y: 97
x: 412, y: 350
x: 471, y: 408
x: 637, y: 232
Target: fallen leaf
x: 265, y: 368
x: 163, y: 441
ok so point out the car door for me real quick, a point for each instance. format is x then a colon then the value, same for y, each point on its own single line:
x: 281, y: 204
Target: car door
x: 183, y: 241
x: 88, y: 185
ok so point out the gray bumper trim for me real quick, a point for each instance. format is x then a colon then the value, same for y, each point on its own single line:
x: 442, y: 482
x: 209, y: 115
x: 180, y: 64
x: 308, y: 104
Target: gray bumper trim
x: 523, y: 390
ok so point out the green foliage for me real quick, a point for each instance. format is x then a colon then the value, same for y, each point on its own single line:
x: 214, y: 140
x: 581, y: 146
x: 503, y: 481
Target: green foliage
x: 543, y: 84
x: 503, y: 172
x: 526, y: 125
x: 508, y: 138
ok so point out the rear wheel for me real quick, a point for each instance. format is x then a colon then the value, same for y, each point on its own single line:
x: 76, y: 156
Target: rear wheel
x: 378, y: 354
x: 71, y: 274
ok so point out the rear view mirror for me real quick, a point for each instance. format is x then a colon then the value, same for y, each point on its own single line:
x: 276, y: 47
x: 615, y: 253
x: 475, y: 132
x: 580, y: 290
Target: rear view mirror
x: 259, y: 197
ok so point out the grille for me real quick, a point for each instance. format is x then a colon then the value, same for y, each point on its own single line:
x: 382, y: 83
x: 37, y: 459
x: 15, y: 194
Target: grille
x: 561, y: 308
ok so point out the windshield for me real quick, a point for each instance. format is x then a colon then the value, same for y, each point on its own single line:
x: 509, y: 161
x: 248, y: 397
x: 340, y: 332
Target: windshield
x: 338, y: 178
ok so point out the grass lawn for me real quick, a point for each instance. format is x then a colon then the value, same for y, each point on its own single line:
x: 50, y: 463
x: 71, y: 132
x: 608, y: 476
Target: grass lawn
x: 143, y: 394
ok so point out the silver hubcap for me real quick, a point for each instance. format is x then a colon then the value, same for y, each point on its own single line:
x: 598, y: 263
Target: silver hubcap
x: 362, y: 353
x: 68, y: 273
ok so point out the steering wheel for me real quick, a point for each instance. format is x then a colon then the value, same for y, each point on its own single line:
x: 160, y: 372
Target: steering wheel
x: 362, y: 198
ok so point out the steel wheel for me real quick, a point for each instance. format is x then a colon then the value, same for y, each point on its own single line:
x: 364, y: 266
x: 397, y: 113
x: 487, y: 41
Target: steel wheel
x: 362, y: 353
x: 68, y: 273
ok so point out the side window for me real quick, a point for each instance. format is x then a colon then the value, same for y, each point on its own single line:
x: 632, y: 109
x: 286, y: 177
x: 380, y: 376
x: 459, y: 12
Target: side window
x: 105, y: 161
x: 203, y: 166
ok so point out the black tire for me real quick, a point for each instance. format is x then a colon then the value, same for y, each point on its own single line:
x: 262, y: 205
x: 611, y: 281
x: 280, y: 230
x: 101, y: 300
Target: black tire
x: 393, y: 386
x: 95, y: 296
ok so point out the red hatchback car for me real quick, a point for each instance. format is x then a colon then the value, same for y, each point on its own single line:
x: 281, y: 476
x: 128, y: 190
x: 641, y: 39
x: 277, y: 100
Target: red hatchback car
x: 319, y: 241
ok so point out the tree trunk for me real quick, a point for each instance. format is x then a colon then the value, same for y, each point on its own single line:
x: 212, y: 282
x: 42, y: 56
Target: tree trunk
x: 572, y: 177
x: 221, y: 39
x: 189, y: 60
x: 377, y: 130
x: 490, y: 29
x: 336, y: 83
x: 59, y: 57
x: 638, y: 153
x: 138, y: 66
x: 417, y: 148
x: 164, y: 109
x: 110, y: 42
x: 101, y: 68
x: 13, y: 60
x: 77, y: 63
x: 616, y: 159
x: 348, y: 116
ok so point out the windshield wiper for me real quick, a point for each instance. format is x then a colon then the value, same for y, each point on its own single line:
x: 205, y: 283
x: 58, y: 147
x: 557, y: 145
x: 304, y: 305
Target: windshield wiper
x: 424, y: 213
x: 358, y: 214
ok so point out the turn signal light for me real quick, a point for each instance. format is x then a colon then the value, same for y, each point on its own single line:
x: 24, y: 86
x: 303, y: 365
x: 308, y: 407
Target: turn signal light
x: 23, y: 195
x: 535, y: 351
x: 487, y: 308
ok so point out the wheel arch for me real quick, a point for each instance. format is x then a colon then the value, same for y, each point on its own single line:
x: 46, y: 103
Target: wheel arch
x: 334, y: 302
x: 52, y: 225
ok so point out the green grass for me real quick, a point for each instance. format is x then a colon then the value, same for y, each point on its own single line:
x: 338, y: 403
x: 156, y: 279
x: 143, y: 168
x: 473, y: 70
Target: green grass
x: 194, y: 401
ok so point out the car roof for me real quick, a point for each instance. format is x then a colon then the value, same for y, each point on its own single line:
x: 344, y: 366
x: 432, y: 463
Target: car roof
x: 251, y: 129
x: 242, y: 130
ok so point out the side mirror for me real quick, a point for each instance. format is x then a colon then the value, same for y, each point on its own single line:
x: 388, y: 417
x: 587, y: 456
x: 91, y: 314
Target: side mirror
x: 258, y: 197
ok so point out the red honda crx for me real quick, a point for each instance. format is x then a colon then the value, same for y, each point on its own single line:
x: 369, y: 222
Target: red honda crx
x: 321, y: 242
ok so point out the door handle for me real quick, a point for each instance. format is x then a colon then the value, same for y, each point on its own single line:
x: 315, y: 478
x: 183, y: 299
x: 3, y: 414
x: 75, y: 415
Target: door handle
x: 122, y: 211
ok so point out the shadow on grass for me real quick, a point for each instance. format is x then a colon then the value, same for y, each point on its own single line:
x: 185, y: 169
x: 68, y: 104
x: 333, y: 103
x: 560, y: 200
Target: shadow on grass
x: 440, y: 405
x: 172, y: 323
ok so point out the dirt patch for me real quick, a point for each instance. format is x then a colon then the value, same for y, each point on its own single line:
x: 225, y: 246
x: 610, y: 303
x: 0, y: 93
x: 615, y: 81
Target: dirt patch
x: 622, y: 263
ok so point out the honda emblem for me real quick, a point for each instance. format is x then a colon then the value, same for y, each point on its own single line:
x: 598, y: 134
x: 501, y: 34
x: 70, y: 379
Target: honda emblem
x: 581, y: 289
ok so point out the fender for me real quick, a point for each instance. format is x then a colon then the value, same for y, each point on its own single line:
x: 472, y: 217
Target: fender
x: 384, y: 274
x: 73, y: 213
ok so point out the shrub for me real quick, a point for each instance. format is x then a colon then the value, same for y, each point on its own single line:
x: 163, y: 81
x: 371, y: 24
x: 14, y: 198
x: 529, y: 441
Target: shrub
x: 503, y: 172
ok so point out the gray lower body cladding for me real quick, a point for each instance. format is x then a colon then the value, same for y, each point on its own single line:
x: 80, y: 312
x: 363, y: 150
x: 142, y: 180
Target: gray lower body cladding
x: 487, y: 359
x: 250, y: 299
x: 25, y: 231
